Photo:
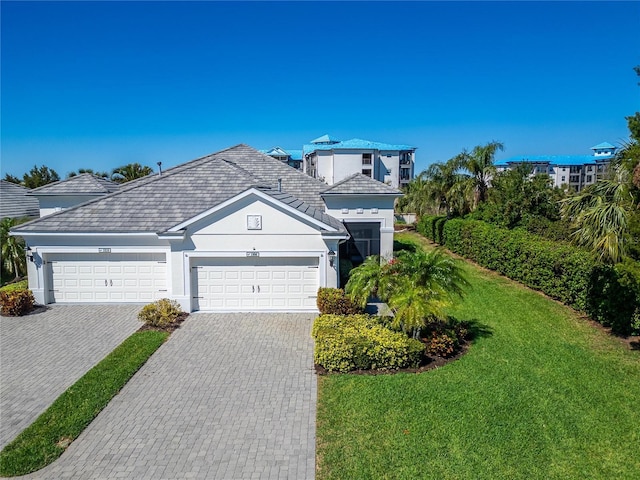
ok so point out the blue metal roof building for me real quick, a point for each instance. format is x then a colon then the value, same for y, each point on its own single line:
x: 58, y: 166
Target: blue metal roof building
x: 576, y: 171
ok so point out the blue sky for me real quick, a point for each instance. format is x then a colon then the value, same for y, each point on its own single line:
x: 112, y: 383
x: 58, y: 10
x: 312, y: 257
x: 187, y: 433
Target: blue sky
x: 97, y: 85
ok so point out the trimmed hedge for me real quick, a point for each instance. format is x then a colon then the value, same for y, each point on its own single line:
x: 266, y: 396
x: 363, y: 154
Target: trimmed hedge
x: 609, y: 294
x: 428, y: 227
x: 352, y: 342
x: 333, y: 301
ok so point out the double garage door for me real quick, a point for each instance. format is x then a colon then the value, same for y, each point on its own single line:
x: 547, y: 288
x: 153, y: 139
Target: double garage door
x: 105, y: 278
x: 254, y: 284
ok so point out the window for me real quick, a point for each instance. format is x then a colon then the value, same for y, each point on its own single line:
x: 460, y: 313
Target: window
x: 366, y: 159
x: 366, y: 171
x: 590, y: 168
x: 589, y: 178
x: 574, y: 169
x: 563, y: 178
x: 574, y: 178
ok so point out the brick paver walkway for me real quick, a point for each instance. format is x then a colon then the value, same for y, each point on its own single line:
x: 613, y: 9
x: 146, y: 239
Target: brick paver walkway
x: 42, y: 354
x: 229, y: 396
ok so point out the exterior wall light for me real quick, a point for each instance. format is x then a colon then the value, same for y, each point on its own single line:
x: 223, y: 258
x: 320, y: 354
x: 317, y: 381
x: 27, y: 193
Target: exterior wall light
x: 332, y: 257
x: 30, y: 254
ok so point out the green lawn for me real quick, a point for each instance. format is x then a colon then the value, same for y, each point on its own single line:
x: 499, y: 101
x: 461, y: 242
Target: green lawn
x: 543, y: 395
x: 47, y: 438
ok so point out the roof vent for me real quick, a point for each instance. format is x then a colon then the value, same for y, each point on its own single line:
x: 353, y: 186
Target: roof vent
x: 279, y: 184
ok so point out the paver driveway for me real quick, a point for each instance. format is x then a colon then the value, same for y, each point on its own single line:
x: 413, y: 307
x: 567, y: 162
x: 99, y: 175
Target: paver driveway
x: 42, y: 354
x: 229, y: 396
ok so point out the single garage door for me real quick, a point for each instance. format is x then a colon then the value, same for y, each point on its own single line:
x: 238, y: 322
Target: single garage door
x: 255, y: 284
x: 109, y: 277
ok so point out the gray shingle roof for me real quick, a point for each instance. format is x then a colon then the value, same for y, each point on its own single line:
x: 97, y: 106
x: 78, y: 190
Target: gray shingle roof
x: 159, y: 202
x: 15, y: 201
x: 359, y: 184
x: 83, y: 184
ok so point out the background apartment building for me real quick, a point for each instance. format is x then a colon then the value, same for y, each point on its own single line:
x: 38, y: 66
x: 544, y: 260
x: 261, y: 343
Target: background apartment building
x: 331, y: 160
x: 576, y: 171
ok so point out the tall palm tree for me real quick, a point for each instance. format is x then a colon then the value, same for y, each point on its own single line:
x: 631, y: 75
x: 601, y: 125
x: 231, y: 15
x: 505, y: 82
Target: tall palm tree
x: 600, y: 214
x: 13, y: 255
x: 129, y: 172
x: 480, y: 164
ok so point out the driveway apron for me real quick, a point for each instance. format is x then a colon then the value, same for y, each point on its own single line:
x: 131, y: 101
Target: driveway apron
x: 44, y: 353
x: 229, y: 396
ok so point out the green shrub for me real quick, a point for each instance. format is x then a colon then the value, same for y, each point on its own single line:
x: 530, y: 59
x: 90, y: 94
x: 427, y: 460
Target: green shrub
x: 428, y: 225
x: 160, y: 313
x: 569, y: 274
x: 12, y: 287
x: 438, y: 227
x: 346, y: 343
x: 333, y: 301
x: 17, y: 302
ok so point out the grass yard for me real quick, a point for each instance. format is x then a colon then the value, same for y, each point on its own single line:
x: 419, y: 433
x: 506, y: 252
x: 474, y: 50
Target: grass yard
x: 545, y: 395
x: 48, y: 437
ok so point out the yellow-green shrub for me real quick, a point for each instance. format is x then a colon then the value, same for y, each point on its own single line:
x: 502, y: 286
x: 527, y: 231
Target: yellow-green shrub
x: 12, y: 287
x: 160, y: 313
x: 351, y: 342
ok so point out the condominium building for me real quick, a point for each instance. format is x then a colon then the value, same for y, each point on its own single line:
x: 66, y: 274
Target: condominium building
x: 576, y: 171
x: 331, y: 160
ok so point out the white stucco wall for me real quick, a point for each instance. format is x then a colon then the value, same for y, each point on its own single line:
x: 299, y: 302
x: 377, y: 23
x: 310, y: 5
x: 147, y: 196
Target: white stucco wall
x: 223, y: 233
x: 362, y: 208
x: 390, y: 162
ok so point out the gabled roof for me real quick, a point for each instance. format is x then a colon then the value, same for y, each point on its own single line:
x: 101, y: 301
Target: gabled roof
x: 359, y: 184
x: 157, y: 203
x: 357, y: 144
x: 325, y: 139
x: 83, y: 184
x: 15, y: 201
x: 603, y: 145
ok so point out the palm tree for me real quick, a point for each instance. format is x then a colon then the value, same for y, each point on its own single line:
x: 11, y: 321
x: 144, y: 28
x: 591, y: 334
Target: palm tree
x: 80, y: 171
x: 479, y: 163
x: 129, y: 172
x: 441, y: 187
x: 13, y: 255
x: 365, y: 281
x: 416, y: 285
x: 600, y: 215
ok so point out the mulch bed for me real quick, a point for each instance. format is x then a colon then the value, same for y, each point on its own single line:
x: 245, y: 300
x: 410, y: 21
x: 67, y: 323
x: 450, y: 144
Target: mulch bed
x: 172, y: 327
x: 428, y: 363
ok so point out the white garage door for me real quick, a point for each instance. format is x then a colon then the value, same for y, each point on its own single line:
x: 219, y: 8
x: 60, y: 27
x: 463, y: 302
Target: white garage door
x: 255, y: 284
x: 110, y: 277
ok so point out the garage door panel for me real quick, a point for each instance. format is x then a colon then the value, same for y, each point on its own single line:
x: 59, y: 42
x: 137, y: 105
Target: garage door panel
x: 103, y: 278
x: 255, y: 283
